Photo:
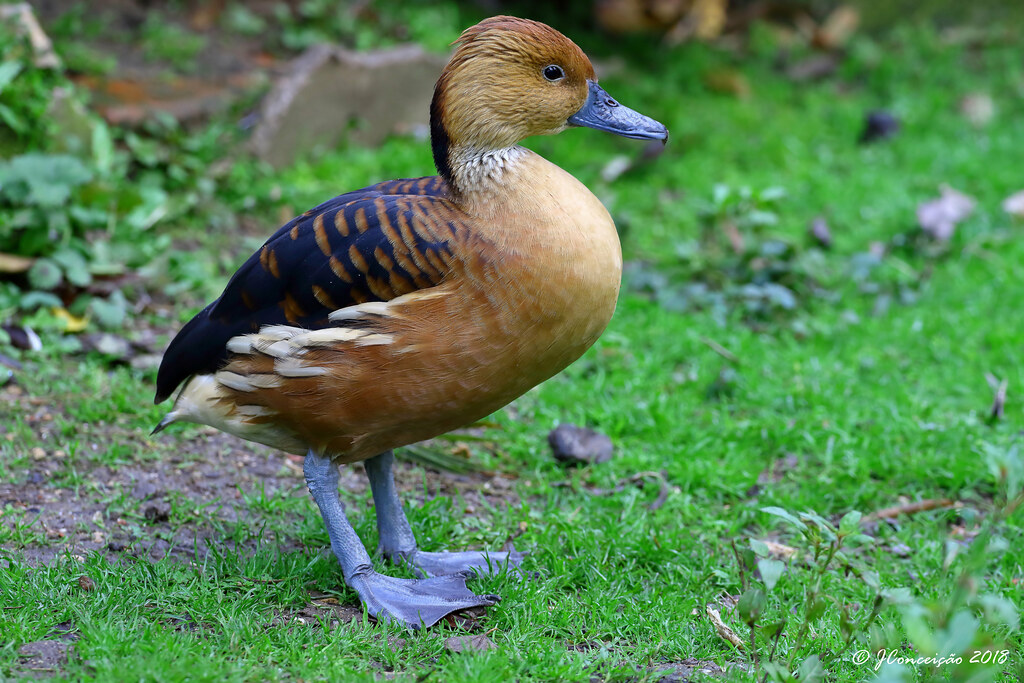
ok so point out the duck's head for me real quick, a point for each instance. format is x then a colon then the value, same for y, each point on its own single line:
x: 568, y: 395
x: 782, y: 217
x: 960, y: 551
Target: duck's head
x: 510, y: 79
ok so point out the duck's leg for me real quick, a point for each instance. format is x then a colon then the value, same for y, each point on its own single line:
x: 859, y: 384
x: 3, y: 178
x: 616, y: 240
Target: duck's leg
x: 415, y: 602
x: 398, y: 544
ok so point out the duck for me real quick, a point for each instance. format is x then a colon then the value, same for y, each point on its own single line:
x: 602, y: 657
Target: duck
x: 401, y: 311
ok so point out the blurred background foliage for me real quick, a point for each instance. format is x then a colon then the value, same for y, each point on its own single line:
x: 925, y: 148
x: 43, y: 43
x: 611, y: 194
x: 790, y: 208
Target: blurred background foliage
x: 124, y: 127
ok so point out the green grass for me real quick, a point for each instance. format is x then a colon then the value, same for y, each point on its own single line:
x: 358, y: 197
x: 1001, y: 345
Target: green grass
x: 868, y: 407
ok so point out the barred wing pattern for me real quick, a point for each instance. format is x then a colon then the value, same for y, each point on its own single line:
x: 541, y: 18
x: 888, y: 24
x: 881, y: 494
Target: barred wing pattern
x: 373, y: 244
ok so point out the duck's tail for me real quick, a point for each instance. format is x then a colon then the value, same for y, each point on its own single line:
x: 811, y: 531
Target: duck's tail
x: 175, y: 413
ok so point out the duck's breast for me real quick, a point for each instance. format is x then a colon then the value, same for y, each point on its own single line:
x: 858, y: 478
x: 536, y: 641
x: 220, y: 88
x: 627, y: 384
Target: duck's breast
x: 562, y: 262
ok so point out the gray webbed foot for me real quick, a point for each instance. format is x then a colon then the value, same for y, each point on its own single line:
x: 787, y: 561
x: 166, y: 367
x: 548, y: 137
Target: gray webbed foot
x: 468, y: 564
x: 417, y: 603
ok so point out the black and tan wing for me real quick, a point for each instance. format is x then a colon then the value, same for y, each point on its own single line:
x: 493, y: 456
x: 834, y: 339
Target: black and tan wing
x: 370, y: 245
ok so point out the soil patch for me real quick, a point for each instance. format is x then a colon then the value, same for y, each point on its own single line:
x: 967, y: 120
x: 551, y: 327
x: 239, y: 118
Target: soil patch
x: 182, y: 495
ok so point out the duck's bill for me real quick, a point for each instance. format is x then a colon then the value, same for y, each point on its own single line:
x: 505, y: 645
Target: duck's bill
x: 602, y: 112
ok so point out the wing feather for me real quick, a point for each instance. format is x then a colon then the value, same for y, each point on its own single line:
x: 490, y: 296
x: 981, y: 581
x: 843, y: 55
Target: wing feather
x: 370, y: 245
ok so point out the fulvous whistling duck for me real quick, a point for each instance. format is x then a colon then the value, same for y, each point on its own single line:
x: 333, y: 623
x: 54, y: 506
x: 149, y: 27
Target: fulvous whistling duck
x: 406, y: 309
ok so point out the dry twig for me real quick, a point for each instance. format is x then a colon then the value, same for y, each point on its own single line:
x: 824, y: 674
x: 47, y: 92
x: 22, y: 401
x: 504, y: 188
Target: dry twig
x: 723, y: 631
x: 910, y: 508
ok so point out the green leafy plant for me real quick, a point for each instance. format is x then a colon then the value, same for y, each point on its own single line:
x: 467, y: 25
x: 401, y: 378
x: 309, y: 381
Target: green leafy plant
x: 967, y: 636
x: 779, y: 641
x: 76, y: 211
x: 735, y: 263
x: 25, y: 94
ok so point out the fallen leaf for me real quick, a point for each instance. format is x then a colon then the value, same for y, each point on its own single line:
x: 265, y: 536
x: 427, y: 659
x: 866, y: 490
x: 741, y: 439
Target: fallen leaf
x: 978, y: 109
x: 813, y: 68
x: 72, y: 323
x: 1014, y: 204
x: 732, y: 233
x: 23, y: 338
x: 938, y: 217
x: 632, y: 16
x: 779, y: 550
x: 109, y: 345
x: 206, y: 15
x: 703, y: 20
x: 837, y: 28
x: 11, y: 263
x: 615, y: 167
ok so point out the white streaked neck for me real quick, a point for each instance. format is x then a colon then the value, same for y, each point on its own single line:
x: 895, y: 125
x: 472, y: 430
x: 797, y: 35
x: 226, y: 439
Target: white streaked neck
x: 484, y: 171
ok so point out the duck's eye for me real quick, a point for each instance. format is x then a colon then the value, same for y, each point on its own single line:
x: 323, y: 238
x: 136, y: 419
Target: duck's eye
x: 553, y: 72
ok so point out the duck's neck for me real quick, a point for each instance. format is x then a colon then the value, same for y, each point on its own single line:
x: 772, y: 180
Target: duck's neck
x: 471, y: 169
x: 483, y: 172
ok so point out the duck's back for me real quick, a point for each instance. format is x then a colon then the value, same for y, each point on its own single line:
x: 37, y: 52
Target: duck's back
x: 338, y: 254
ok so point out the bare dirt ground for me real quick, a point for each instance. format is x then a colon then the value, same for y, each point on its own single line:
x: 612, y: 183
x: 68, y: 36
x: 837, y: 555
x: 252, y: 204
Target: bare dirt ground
x: 181, y: 495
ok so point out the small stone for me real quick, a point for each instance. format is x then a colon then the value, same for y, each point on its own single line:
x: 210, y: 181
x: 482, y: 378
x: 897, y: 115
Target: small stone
x: 572, y: 444
x: 879, y: 125
x: 98, y: 537
x: 38, y: 453
x: 86, y: 583
x: 157, y: 511
x: 477, y: 643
